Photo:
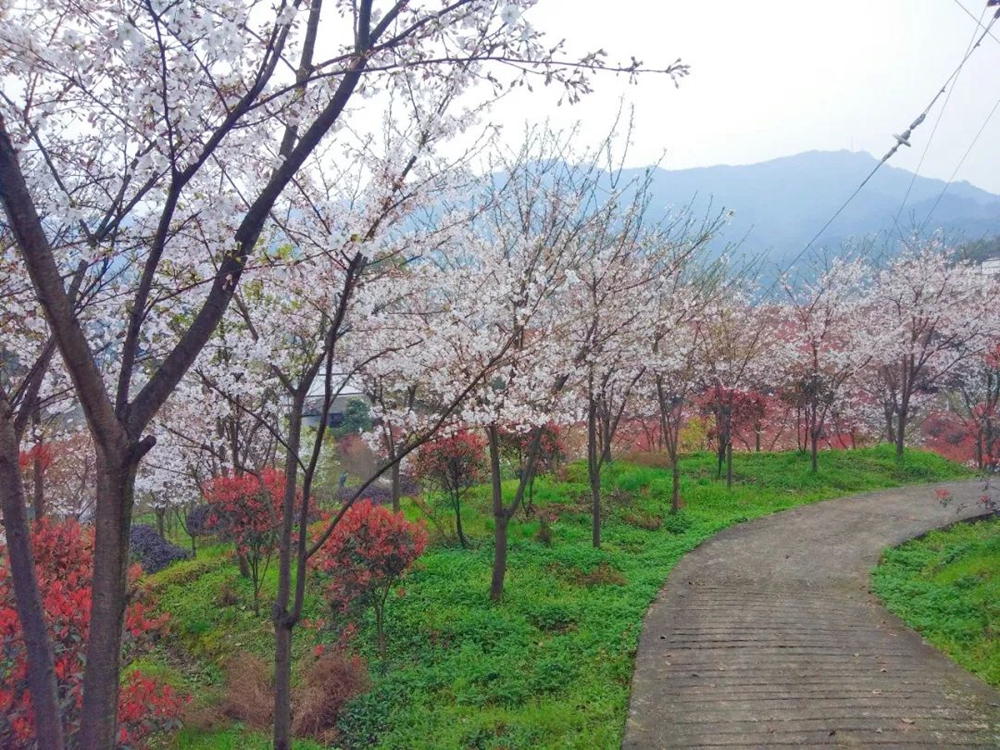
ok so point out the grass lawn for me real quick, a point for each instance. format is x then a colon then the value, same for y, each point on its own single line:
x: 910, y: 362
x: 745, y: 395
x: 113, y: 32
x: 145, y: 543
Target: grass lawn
x: 946, y: 585
x: 550, y: 666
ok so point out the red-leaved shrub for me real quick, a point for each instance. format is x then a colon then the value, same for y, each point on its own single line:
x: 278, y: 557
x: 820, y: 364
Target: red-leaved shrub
x: 452, y: 465
x: 366, y: 555
x: 248, y: 510
x: 63, y: 562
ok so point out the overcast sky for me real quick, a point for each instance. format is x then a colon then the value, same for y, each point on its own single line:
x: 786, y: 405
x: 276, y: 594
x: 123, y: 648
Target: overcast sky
x: 778, y: 77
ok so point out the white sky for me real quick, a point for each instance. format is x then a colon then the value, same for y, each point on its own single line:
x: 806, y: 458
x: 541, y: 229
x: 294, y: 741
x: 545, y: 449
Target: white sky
x: 777, y: 77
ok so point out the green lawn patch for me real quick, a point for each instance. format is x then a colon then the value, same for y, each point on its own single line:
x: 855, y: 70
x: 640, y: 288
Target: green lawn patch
x: 946, y: 585
x: 550, y: 666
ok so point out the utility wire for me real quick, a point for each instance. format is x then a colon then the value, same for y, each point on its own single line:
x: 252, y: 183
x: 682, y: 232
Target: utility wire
x: 960, y: 163
x: 979, y: 21
x: 901, y: 139
x: 937, y: 122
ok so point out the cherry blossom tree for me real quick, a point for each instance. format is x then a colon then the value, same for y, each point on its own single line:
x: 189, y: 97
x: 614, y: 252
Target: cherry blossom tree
x: 164, y: 146
x: 930, y: 313
x: 829, y: 344
x: 627, y: 267
x: 740, y: 350
x: 673, y: 373
x: 527, y: 250
x: 975, y: 383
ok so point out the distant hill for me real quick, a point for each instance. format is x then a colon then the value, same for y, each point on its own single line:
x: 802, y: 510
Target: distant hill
x: 780, y: 204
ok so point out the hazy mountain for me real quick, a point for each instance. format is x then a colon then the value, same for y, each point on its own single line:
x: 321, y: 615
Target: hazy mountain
x: 779, y: 205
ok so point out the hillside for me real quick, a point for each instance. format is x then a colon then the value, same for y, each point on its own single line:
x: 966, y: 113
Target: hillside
x: 780, y: 204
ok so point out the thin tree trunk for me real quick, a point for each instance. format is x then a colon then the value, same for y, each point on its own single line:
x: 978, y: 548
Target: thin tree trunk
x: 814, y: 453
x: 729, y: 465
x: 500, y: 517
x: 458, y: 522
x: 594, y: 473
x: 283, y: 624
x: 396, y: 489
x: 37, y: 468
x: 244, y: 565
x: 115, y: 495
x: 890, y: 431
x: 380, y: 628
x: 607, y: 434
x: 675, y: 498
x: 27, y: 595
x: 901, y: 432
x: 282, y: 686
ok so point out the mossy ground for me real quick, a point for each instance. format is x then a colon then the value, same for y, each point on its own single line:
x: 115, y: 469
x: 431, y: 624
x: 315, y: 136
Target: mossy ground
x: 551, y: 665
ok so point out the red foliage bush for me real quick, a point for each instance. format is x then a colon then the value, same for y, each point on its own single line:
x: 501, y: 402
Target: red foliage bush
x: 452, y: 465
x: 368, y: 552
x: 244, y: 506
x: 248, y: 510
x: 26, y: 458
x: 63, y: 561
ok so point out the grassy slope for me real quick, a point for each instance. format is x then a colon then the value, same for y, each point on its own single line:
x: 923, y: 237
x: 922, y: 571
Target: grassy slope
x: 551, y: 665
x: 947, y: 586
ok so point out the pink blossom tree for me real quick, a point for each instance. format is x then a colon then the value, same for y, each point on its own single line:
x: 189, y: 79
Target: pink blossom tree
x: 930, y: 313
x: 829, y: 344
x: 171, y: 142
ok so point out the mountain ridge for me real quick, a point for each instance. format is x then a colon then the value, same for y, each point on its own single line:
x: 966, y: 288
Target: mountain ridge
x: 780, y: 204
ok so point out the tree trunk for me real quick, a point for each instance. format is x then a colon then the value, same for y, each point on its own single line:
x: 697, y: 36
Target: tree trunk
x: 458, y: 522
x: 27, y: 595
x: 380, y: 624
x: 499, y: 557
x: 675, y: 498
x: 395, y: 488
x: 890, y: 431
x: 244, y: 565
x: 607, y: 435
x: 500, y: 518
x: 283, y: 624
x: 901, y: 432
x: 116, y: 468
x: 595, y: 498
x: 282, y: 686
x: 729, y: 465
x: 814, y: 453
x: 594, y: 473
x: 37, y: 469
x: 161, y: 514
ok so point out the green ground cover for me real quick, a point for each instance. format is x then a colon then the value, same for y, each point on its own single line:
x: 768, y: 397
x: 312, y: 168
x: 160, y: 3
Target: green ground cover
x: 551, y: 665
x: 946, y: 585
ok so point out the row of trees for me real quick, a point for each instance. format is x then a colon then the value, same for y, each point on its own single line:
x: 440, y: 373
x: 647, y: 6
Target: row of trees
x: 218, y: 217
x: 210, y: 208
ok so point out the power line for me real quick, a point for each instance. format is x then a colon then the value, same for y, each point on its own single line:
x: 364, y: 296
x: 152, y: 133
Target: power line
x: 979, y: 21
x: 937, y: 122
x: 901, y: 140
x: 960, y: 163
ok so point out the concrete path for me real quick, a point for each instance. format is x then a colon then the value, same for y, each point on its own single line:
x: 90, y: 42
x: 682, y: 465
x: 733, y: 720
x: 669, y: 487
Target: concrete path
x: 767, y: 636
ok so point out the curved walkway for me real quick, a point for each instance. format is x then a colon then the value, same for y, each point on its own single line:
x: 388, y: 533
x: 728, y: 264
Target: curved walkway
x: 767, y: 636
